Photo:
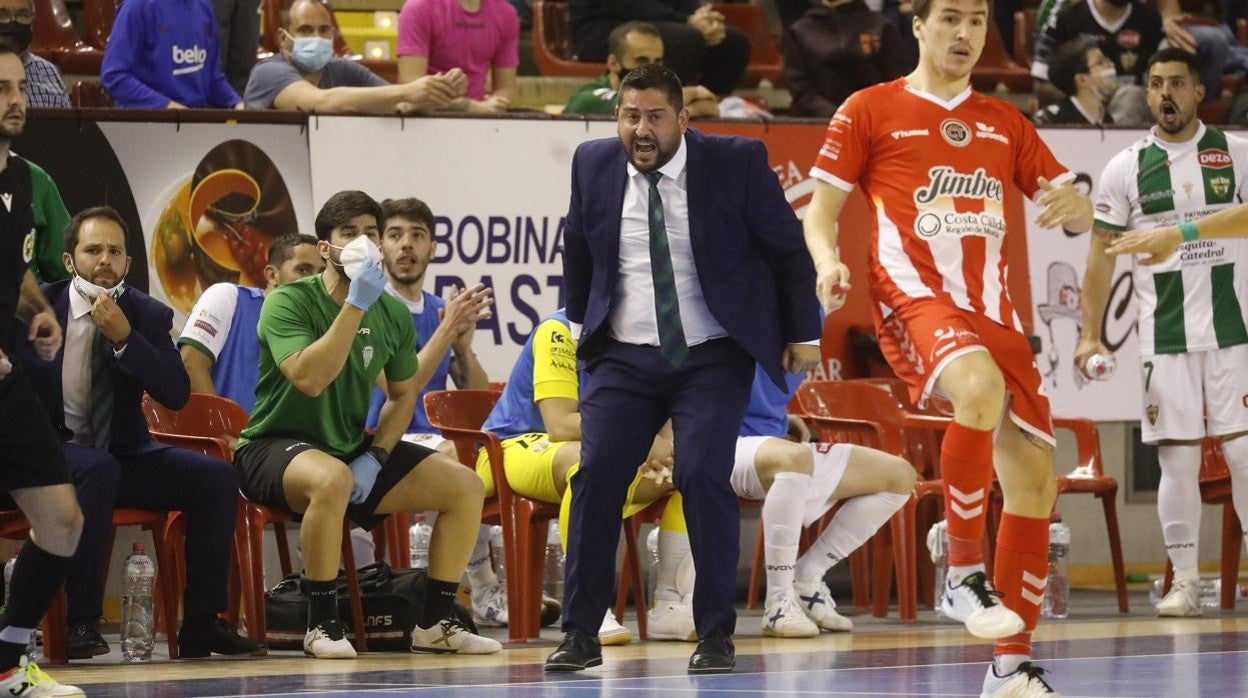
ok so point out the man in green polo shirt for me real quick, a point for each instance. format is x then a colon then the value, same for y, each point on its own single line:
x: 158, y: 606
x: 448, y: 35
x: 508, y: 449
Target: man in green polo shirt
x: 324, y: 341
x: 630, y: 46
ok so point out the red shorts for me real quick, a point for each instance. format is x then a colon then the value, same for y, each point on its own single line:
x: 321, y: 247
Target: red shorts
x: 924, y: 335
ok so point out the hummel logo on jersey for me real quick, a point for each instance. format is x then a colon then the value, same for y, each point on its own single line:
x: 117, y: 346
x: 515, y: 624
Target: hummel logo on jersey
x: 898, y: 135
x: 189, y: 60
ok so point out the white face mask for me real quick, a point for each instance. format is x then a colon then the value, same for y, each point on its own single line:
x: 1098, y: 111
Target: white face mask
x: 91, y: 291
x: 1107, y: 83
x: 355, y: 253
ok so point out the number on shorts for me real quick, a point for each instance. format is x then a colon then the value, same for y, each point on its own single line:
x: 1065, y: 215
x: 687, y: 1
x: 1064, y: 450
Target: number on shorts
x: 1148, y: 376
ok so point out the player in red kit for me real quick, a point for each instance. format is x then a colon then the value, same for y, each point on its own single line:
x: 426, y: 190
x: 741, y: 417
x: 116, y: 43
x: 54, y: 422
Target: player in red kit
x: 936, y: 161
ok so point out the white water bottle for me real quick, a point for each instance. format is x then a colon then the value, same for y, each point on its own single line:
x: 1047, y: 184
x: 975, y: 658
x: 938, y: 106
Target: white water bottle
x: 553, y: 585
x: 8, y: 573
x: 496, y: 552
x: 419, y: 536
x: 138, y: 630
x: 1100, y: 367
x: 652, y: 546
x: 1057, y: 591
x: 937, y: 546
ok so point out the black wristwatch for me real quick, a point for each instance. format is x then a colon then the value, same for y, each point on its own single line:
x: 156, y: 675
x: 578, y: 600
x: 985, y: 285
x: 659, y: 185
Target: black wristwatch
x: 380, y: 454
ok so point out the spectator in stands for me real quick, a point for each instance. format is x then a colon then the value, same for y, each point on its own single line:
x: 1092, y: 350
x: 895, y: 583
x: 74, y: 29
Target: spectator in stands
x: 307, y: 76
x: 238, y: 31
x: 44, y: 86
x: 1087, y: 78
x: 835, y: 49
x: 698, y: 45
x: 117, y: 347
x: 480, y: 37
x: 1126, y: 31
x: 164, y: 54
x: 632, y: 44
x: 226, y: 362
x: 1214, y: 44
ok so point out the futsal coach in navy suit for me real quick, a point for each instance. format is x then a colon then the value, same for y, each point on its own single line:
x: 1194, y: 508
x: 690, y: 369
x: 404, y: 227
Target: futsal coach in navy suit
x: 117, y: 346
x: 684, y: 266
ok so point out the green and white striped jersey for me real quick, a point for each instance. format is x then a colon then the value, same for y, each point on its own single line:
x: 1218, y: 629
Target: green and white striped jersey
x: 1195, y: 300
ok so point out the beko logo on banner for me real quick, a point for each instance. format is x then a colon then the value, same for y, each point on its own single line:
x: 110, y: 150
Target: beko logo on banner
x: 189, y: 59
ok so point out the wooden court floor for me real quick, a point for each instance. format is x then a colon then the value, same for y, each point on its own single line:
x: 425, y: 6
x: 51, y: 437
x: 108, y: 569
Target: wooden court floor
x: 1095, y: 652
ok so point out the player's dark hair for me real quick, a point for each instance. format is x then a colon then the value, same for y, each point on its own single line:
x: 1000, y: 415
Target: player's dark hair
x: 342, y: 207
x: 283, y: 248
x: 1070, y: 59
x: 410, y: 208
x: 75, y: 224
x: 923, y: 8
x: 7, y: 45
x: 617, y: 40
x: 654, y: 76
x: 1172, y: 54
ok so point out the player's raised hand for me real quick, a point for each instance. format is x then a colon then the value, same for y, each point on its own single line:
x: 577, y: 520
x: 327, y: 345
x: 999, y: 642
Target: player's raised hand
x: 1158, y: 244
x: 1086, y: 350
x: 831, y: 285
x: 1061, y: 204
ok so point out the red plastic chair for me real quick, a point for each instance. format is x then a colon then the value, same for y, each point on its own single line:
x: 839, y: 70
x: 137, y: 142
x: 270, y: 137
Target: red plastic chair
x: 89, y: 94
x: 1215, y: 488
x: 56, y: 40
x: 98, y: 17
x: 553, y: 50
x: 996, y: 66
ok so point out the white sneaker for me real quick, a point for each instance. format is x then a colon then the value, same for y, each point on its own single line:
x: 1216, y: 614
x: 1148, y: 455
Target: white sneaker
x: 450, y: 636
x: 817, y: 603
x: 1183, y: 601
x: 328, y: 640
x: 978, y: 605
x: 1025, y: 682
x: 29, y: 681
x: 671, y: 620
x: 489, y: 605
x: 612, y: 633
x: 785, y: 618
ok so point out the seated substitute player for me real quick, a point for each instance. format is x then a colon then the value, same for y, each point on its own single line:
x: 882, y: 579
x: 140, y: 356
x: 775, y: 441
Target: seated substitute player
x: 540, y: 428
x: 1193, y: 339
x: 939, y: 164
x: 324, y: 341
x: 798, y: 483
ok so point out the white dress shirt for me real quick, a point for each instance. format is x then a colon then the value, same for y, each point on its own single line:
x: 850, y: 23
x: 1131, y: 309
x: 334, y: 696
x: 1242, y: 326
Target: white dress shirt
x: 76, y: 367
x: 633, y: 316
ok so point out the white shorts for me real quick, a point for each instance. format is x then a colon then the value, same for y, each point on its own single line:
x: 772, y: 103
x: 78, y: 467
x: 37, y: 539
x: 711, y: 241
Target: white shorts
x: 431, y: 441
x: 830, y: 463
x: 1190, y: 396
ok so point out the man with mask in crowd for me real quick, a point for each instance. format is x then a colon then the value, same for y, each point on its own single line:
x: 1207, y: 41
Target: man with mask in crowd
x: 1088, y: 80
x: 305, y: 75
x: 630, y: 46
x: 117, y: 347
x: 45, y: 88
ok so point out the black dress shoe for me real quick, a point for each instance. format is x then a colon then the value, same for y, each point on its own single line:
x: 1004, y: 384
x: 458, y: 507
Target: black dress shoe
x: 578, y: 651
x: 85, y: 641
x: 715, y: 655
x: 201, y: 638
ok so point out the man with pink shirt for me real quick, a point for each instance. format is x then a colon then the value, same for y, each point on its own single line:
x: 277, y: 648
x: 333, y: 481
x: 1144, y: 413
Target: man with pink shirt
x: 480, y: 37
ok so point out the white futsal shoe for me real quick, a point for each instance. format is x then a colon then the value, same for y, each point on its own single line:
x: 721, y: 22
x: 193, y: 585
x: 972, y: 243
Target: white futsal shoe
x: 1183, y: 601
x: 612, y: 633
x: 978, y: 605
x: 29, y: 681
x: 785, y: 617
x: 817, y: 603
x: 450, y: 636
x: 328, y: 640
x: 1027, y: 681
x: 671, y: 620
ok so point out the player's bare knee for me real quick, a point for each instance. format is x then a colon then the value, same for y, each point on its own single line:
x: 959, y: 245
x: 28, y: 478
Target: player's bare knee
x: 900, y: 477
x: 59, y: 534
x: 469, y: 490
x: 332, y: 482
x: 980, y: 400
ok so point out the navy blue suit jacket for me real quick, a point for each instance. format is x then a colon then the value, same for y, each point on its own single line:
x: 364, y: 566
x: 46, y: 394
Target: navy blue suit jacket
x: 755, y: 271
x: 149, y: 363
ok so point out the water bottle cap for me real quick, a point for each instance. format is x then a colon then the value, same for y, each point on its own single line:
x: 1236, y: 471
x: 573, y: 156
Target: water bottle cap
x: 419, y: 518
x: 1055, y: 517
x: 138, y: 547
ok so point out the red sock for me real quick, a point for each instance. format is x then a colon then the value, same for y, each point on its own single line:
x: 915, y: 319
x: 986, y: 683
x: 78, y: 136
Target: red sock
x: 966, y: 469
x: 1022, y: 566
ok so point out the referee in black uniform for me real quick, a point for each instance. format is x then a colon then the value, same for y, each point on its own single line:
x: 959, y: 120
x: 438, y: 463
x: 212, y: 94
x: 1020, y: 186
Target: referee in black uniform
x: 33, y: 476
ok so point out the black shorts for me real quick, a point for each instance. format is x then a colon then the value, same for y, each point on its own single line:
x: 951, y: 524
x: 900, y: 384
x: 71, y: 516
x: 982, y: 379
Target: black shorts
x: 262, y: 464
x: 30, y: 449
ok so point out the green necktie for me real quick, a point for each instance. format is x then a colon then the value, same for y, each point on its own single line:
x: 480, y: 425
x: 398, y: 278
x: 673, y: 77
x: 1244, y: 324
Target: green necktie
x: 666, y: 305
x: 101, y: 389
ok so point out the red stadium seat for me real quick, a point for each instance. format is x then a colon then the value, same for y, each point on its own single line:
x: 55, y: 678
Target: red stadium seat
x: 56, y: 40
x: 552, y: 43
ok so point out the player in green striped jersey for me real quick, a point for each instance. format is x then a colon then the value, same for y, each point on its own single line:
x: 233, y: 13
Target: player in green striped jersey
x: 1193, y: 338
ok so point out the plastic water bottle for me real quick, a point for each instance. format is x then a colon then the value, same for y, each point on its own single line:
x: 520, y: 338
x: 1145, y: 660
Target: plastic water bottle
x: 1057, y: 591
x: 419, y: 535
x: 937, y: 546
x: 8, y: 573
x: 137, y: 611
x: 496, y: 552
x: 652, y: 545
x: 553, y: 586
x: 1100, y: 367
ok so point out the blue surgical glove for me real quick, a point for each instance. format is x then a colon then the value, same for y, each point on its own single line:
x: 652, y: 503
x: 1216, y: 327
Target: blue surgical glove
x: 364, y: 471
x: 367, y: 285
